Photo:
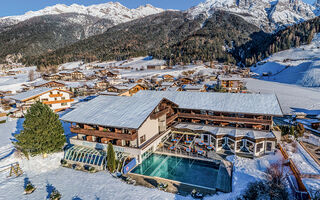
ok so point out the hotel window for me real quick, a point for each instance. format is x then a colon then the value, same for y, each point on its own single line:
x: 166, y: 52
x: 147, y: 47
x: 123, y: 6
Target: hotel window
x: 259, y: 147
x: 64, y: 104
x: 250, y: 146
x: 239, y: 144
x: 142, y: 139
x: 205, y: 138
x: 63, y: 98
x: 269, y: 146
x: 51, y: 92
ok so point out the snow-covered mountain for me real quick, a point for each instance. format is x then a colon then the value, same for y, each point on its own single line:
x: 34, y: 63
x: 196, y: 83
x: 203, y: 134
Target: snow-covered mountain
x: 113, y: 11
x: 266, y: 14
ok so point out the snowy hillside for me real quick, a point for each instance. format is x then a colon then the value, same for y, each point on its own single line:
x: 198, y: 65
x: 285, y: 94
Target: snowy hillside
x: 263, y: 13
x: 112, y: 10
x: 299, y: 66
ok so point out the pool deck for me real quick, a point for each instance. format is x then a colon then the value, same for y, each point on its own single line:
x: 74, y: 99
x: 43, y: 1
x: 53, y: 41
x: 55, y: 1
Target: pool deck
x: 223, y: 180
x: 173, y: 186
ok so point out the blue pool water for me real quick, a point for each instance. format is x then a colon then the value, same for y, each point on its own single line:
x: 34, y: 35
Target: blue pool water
x: 179, y: 169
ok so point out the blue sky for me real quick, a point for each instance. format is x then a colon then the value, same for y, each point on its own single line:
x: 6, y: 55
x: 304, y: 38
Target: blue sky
x: 18, y: 7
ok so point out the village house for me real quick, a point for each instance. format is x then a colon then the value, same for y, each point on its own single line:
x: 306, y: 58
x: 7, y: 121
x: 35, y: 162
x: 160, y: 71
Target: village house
x: 168, y: 78
x: 124, y: 90
x: 147, y: 121
x: 52, y: 77
x: 101, y: 85
x: 156, y: 67
x: 56, y: 99
x: 44, y: 83
x: 231, y: 84
x: 185, y: 81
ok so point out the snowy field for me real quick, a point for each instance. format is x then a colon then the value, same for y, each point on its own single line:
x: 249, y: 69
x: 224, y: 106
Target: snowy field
x: 292, y: 98
x: 299, y: 66
x: 46, y: 173
x: 14, y: 83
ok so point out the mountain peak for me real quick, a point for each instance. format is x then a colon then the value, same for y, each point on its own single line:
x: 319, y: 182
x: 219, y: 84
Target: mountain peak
x: 266, y: 14
x: 113, y: 11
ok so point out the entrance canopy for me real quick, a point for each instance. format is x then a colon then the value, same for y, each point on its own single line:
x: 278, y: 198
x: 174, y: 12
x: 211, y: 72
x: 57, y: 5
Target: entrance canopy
x: 85, y: 155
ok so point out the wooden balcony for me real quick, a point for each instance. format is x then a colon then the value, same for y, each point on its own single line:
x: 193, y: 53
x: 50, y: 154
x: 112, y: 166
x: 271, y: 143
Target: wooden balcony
x: 159, y: 114
x: 225, y: 119
x: 59, y: 101
x: 172, y: 118
x: 105, y: 134
x: 55, y: 95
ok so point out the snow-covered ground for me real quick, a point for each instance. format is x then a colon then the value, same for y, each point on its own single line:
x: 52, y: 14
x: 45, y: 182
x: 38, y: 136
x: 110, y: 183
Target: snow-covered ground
x: 292, y: 98
x: 46, y: 173
x: 303, y: 161
x: 14, y: 83
x: 300, y: 66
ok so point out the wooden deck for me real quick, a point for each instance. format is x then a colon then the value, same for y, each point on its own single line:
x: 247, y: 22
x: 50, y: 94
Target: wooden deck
x: 225, y: 119
x: 105, y: 134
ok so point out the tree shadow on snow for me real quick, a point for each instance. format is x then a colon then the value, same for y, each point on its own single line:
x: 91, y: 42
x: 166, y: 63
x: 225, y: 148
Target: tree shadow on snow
x: 26, y: 181
x: 19, y: 128
x: 50, y: 188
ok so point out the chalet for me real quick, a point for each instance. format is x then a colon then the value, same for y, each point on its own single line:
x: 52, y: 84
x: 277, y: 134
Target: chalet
x: 112, y: 74
x: 156, y: 67
x: 52, y: 77
x: 56, y: 99
x: 102, y: 85
x: 168, y: 78
x: 230, y: 84
x: 49, y: 84
x: 185, y: 81
x: 124, y: 90
x: 139, y: 125
x: 65, y: 75
x: 77, y: 75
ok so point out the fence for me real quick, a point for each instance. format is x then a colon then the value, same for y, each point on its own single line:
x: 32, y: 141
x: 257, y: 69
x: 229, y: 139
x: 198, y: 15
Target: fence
x: 302, y: 190
x: 311, y: 154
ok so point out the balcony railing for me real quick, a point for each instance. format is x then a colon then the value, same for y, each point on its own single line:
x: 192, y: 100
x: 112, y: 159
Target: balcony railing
x: 225, y: 119
x: 172, y: 118
x: 55, y: 95
x: 105, y: 134
x: 159, y: 114
x: 58, y: 101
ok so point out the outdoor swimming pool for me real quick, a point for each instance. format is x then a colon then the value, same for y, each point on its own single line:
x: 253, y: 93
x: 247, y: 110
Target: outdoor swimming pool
x: 190, y: 171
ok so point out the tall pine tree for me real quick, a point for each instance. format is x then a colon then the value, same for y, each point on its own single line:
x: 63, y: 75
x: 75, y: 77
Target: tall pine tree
x: 43, y: 132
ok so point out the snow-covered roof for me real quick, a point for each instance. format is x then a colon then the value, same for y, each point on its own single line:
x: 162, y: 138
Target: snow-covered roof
x: 42, y: 82
x: 167, y: 83
x: 114, y: 111
x: 109, y: 93
x: 234, y: 132
x: 232, y: 78
x: 126, y: 87
x: 193, y: 87
x: 31, y: 93
x: 266, y: 104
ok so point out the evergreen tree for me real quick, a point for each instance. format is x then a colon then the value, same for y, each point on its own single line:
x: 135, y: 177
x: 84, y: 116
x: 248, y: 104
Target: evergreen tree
x: 111, y: 158
x: 43, y: 132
